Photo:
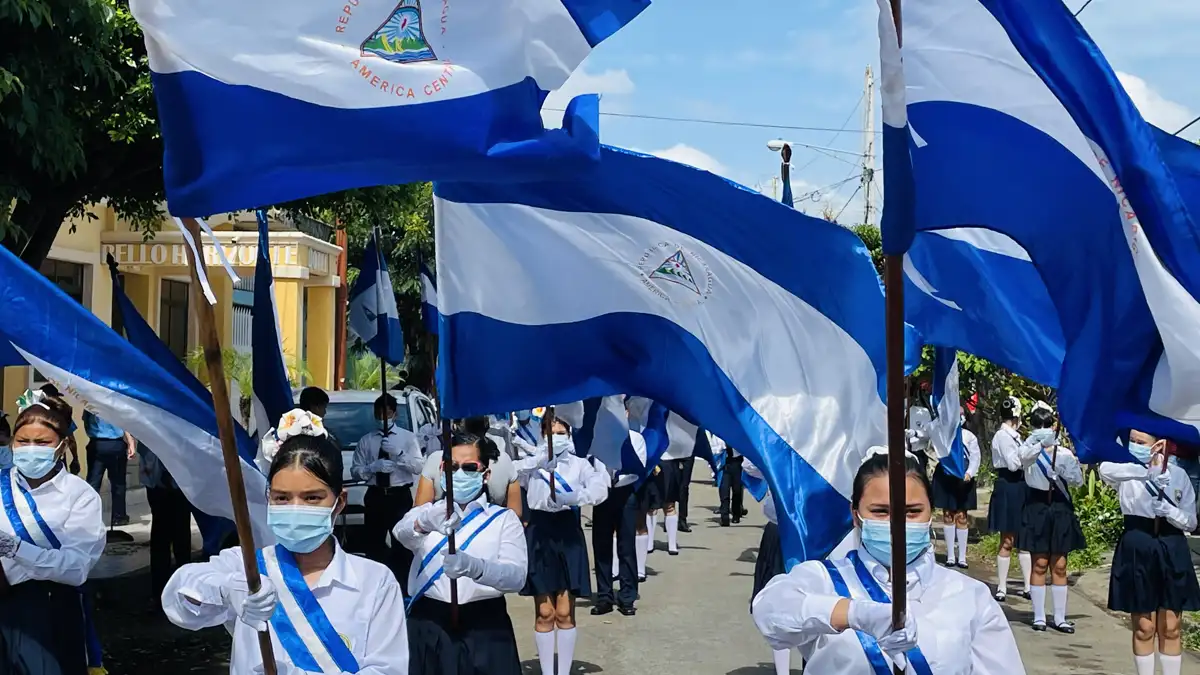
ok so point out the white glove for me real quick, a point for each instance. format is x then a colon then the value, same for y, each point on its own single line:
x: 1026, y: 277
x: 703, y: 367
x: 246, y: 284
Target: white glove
x: 383, y: 466
x: 548, y: 463
x: 565, y: 498
x: 872, y: 618
x: 254, y: 609
x: 8, y: 545
x: 1043, y: 437
x: 1162, y: 479
x: 459, y: 565
x: 433, y: 518
x: 1162, y: 509
x: 900, y: 641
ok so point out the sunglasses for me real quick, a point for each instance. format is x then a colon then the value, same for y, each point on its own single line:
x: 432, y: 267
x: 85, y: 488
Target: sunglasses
x: 469, y: 467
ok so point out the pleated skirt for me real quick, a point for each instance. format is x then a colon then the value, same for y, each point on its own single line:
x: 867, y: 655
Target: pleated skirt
x: 1006, y: 511
x: 670, y: 480
x: 649, y: 496
x: 481, y: 643
x: 1050, y: 525
x: 558, y: 557
x: 770, y: 559
x: 42, y: 630
x: 1152, y: 572
x: 953, y: 493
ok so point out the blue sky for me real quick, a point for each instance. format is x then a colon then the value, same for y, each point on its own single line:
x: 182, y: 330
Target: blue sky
x: 801, y: 63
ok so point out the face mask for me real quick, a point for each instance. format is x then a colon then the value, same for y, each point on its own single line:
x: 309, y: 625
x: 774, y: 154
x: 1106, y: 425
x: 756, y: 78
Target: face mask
x: 1140, y: 452
x: 467, y: 485
x: 524, y: 415
x: 35, y: 461
x: 301, y: 529
x: 877, y: 539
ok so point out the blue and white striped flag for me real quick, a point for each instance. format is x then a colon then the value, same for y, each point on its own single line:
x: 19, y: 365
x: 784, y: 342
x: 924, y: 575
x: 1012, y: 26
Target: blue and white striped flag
x: 604, y: 430
x: 645, y: 274
x: 87, y: 360
x: 272, y: 389
x: 429, y: 304
x: 373, y: 315
x: 331, y: 96
x: 945, y: 434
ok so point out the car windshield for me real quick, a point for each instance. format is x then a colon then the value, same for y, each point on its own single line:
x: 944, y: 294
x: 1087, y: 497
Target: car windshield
x: 349, y: 422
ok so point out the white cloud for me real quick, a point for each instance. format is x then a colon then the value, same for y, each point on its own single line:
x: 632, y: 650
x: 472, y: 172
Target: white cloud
x: 686, y: 154
x: 610, y: 84
x: 1157, y: 109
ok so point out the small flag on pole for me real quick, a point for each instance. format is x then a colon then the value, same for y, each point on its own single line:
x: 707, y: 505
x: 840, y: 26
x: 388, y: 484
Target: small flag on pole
x: 272, y: 389
x: 373, y: 315
x: 429, y: 304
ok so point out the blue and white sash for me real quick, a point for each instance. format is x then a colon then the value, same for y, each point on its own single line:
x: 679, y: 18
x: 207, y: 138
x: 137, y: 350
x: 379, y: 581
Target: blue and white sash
x: 304, y: 631
x: 1156, y: 492
x: 880, y: 663
x: 562, y: 484
x: 526, y: 434
x: 462, y: 548
x: 1047, y: 467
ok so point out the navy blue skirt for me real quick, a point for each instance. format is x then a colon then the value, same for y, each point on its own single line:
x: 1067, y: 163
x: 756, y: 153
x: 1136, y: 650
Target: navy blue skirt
x: 482, y: 642
x: 1006, y: 512
x: 1050, y: 525
x: 769, y: 563
x: 558, y: 557
x: 952, y: 493
x: 1152, y: 572
x: 42, y: 630
x: 670, y: 480
x: 648, y: 496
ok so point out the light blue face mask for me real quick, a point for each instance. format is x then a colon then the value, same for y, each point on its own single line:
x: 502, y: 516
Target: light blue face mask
x: 876, y: 537
x: 1140, y: 452
x: 300, y: 529
x: 467, y: 485
x: 35, y: 461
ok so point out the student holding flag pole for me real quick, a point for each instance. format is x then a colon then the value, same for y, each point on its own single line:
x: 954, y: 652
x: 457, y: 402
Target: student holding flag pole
x: 1152, y: 574
x: 328, y: 611
x: 1006, y: 510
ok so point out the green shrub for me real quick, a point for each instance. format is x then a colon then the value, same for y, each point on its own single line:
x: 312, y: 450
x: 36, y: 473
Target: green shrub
x: 1099, y: 513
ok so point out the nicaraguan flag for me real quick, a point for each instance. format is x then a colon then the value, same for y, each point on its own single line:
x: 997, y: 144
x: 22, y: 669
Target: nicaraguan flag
x: 1056, y: 130
x: 946, y: 431
x: 604, y: 431
x: 646, y: 273
x: 373, y: 315
x: 10, y: 356
x: 332, y: 96
x: 272, y: 389
x: 429, y: 305
x: 86, y: 359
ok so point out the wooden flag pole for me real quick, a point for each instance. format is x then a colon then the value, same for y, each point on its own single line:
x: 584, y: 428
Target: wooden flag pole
x: 448, y: 468
x: 211, y: 344
x: 548, y: 432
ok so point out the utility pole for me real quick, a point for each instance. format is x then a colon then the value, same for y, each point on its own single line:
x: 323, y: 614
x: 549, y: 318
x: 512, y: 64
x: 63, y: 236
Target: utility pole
x: 868, y: 167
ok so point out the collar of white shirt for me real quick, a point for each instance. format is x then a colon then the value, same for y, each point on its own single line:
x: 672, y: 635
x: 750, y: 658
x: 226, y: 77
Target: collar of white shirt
x: 919, y: 570
x: 1016, y: 435
x: 477, y: 504
x: 339, y: 572
x: 55, y: 483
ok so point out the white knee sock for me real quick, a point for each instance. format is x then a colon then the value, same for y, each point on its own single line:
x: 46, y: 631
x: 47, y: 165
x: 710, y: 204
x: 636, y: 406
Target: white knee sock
x: 651, y: 528
x: 642, y: 553
x: 566, y: 650
x: 1171, y: 665
x: 1144, y: 664
x: 1026, y: 566
x: 545, y: 650
x: 616, y: 561
x: 1002, y: 563
x: 672, y: 532
x: 783, y: 661
x: 962, y: 545
x: 1059, y: 595
x: 1038, y: 595
x: 948, y: 534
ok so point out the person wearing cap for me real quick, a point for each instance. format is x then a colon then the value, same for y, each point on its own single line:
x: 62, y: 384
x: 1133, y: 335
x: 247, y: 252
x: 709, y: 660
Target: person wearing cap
x: 1006, y: 511
x: 838, y: 612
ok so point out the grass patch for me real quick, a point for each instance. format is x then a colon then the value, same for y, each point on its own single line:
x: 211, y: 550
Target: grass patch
x: 1079, y: 561
x: 1191, y: 631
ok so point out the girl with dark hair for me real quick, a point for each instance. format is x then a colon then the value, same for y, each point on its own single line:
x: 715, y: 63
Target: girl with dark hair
x: 51, y: 536
x: 1152, y: 575
x: 328, y: 611
x: 558, y: 559
x: 1006, y: 511
x: 838, y: 613
x: 956, y: 496
x: 1049, y: 529
x: 502, y: 486
x: 489, y: 562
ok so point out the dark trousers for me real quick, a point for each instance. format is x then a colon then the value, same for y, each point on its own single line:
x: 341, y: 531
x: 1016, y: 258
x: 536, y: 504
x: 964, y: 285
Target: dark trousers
x: 382, y: 509
x: 685, y: 488
x: 108, y: 455
x: 170, y: 533
x: 617, y: 514
x: 731, y: 489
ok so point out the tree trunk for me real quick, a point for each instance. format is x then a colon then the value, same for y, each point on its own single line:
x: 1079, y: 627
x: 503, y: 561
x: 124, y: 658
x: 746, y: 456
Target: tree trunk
x: 35, y: 225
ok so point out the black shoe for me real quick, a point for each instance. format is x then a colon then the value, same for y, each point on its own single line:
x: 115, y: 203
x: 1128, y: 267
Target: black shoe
x: 962, y: 566
x: 642, y: 579
x: 1041, y: 627
x: 606, y: 608
x: 627, y: 611
x: 1064, y: 627
x: 1025, y: 594
x: 724, y: 521
x: 684, y: 527
x: 120, y: 521
x: 745, y: 512
x: 948, y: 563
x: 672, y: 552
x: 1000, y: 596
x: 737, y: 519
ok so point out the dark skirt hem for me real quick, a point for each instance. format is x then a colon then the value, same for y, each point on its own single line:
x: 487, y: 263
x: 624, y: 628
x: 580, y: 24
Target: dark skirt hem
x: 42, y: 630
x: 1006, y: 511
x: 1151, y: 573
x: 558, y: 556
x: 483, y: 643
x: 951, y: 493
x: 670, y: 480
x: 1050, y: 526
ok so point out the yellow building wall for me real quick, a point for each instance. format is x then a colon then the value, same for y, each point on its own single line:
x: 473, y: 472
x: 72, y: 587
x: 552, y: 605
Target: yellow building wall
x: 321, y: 310
x: 289, y: 306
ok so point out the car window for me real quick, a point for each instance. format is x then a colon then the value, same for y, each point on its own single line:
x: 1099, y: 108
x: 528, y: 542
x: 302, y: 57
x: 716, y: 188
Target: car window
x: 349, y: 422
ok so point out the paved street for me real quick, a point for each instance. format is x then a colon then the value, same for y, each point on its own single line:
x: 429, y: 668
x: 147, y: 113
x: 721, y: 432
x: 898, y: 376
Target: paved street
x: 692, y: 620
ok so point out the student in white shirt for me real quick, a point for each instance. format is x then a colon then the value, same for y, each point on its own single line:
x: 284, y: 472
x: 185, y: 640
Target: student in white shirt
x: 490, y: 561
x: 51, y: 536
x: 838, y: 613
x: 1006, y: 511
x: 955, y: 497
x: 502, y: 485
x: 340, y: 613
x: 1152, y: 575
x: 558, y: 558
x: 390, y: 461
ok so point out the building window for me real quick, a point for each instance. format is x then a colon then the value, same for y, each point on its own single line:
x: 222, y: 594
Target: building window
x: 173, y: 317
x: 68, y: 276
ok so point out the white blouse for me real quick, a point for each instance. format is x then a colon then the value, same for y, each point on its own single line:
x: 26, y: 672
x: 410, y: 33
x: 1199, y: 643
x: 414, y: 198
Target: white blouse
x: 1136, y: 500
x: 1005, y: 447
x: 571, y: 474
x: 960, y: 628
x: 361, y: 598
x: 72, y: 511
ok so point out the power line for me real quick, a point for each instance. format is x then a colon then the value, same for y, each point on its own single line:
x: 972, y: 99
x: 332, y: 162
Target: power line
x: 723, y: 123
x: 833, y: 138
x: 1185, y: 127
x: 1080, y: 10
x: 852, y: 196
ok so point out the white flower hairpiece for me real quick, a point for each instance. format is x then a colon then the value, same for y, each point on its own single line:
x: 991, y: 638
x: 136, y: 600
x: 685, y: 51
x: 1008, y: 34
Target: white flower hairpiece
x: 876, y: 450
x: 1042, y: 405
x: 296, y: 422
x: 31, y: 398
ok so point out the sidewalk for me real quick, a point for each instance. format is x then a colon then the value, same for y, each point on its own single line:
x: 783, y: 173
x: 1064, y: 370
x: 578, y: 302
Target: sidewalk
x: 121, y: 558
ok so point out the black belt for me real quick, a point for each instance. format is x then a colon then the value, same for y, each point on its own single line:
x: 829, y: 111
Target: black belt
x: 1010, y: 475
x: 1147, y: 525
